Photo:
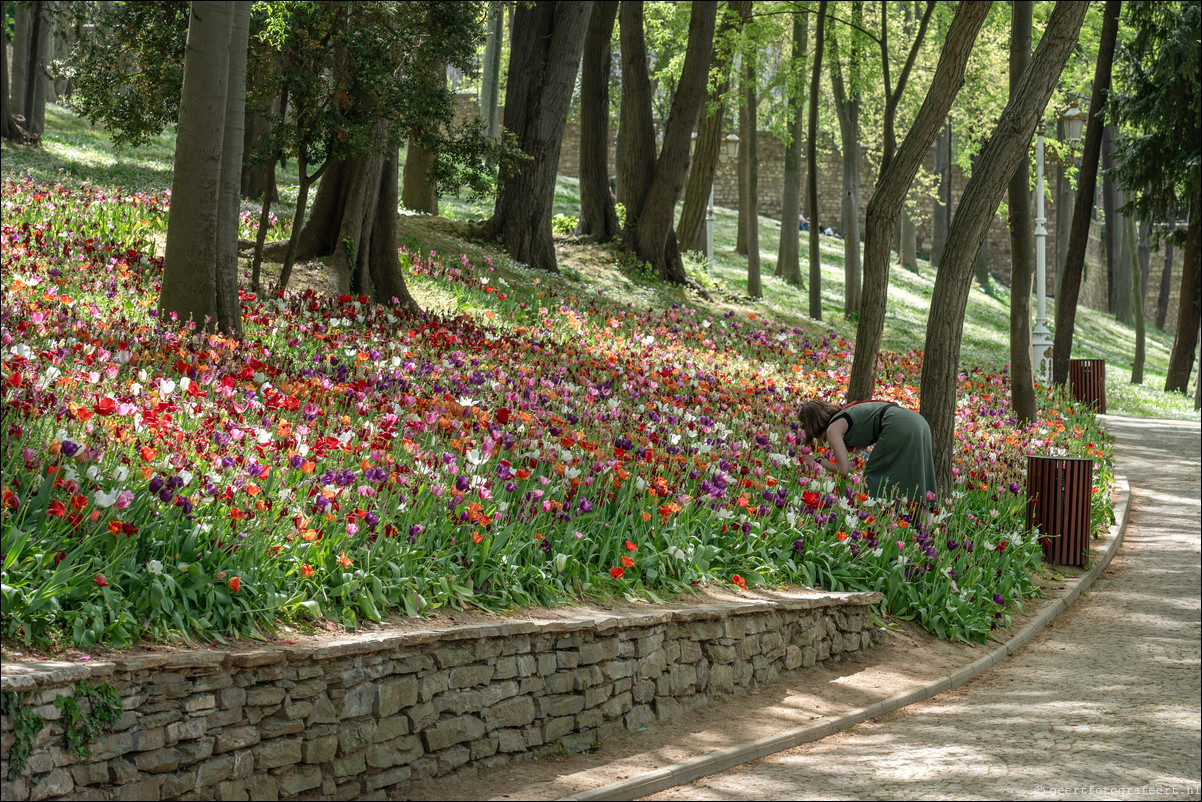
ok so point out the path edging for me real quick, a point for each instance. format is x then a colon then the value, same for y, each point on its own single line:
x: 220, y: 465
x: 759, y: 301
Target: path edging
x: 689, y: 770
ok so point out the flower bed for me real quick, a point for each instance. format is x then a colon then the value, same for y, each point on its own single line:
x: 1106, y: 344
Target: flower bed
x: 347, y: 460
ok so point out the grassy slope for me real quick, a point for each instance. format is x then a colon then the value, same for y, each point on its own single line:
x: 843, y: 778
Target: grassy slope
x: 76, y: 151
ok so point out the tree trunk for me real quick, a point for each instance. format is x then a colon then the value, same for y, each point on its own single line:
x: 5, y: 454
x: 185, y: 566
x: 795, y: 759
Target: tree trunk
x: 190, y: 276
x: 943, y: 206
x: 547, y: 40
x: 1074, y: 261
x: 909, y: 241
x: 598, y: 220
x: 1022, y: 235
x: 652, y: 192
x: 1166, y: 279
x: 419, y: 193
x: 893, y: 95
x: 620, y: 140
x: 229, y: 307
x: 1144, y: 254
x: 690, y: 230
x: 1122, y: 271
x: 1137, y: 306
x: 33, y: 105
x: 20, y: 66
x: 815, y: 287
x: 490, y: 81
x: 894, y: 183
x: 258, y: 178
x: 1005, y: 148
x: 788, y: 254
x: 8, y: 128
x: 1181, y: 358
x: 1112, y: 234
x: 1066, y: 197
x: 741, y: 179
x: 751, y: 211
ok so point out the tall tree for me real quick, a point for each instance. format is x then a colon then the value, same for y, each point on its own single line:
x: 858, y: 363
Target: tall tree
x: 200, y: 255
x: 1117, y: 293
x: 1159, y: 103
x: 1005, y: 147
x: 1166, y: 277
x: 490, y: 81
x: 598, y: 219
x: 788, y: 256
x: 1066, y: 198
x: 893, y: 94
x: 1137, y: 306
x: 547, y: 40
x: 750, y: 211
x: 815, y: 287
x: 419, y: 192
x: 1074, y: 262
x: 1022, y: 235
x: 847, y: 108
x: 653, y: 184
x: 8, y: 126
x: 893, y: 184
x: 690, y: 229
x: 942, y: 216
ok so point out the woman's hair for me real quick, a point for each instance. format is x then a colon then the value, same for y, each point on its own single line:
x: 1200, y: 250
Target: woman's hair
x: 815, y: 416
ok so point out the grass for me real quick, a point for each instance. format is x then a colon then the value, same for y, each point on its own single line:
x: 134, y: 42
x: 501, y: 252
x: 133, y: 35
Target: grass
x: 74, y: 150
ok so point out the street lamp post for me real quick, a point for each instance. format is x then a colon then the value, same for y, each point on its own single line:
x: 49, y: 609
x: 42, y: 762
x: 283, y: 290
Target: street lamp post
x: 1041, y: 337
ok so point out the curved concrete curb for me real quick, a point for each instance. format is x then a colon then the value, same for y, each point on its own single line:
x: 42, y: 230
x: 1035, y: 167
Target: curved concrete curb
x: 689, y: 770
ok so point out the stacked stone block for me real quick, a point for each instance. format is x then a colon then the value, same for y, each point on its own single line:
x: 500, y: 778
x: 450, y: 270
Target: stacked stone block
x: 358, y: 718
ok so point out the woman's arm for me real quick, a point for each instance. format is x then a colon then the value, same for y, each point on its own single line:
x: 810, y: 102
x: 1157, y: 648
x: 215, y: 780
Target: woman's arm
x: 834, y: 436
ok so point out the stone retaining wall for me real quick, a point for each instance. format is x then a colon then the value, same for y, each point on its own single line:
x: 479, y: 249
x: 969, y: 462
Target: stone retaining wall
x: 360, y: 717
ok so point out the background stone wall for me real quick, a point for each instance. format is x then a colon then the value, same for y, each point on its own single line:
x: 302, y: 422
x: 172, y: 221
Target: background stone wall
x: 360, y: 718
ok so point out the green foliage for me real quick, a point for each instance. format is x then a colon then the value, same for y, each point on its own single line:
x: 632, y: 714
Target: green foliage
x: 1157, y: 101
x: 83, y: 725
x: 26, y: 726
x: 564, y: 224
x: 128, y: 72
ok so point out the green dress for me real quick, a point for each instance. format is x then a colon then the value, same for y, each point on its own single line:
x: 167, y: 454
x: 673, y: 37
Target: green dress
x: 901, y: 461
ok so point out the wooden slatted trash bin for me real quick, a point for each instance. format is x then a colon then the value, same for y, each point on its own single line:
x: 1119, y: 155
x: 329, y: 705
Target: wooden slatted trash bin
x: 1059, y: 492
x: 1087, y: 382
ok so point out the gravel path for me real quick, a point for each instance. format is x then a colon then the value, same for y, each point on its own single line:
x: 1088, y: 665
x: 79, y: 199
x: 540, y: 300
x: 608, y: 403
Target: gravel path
x: 1103, y: 704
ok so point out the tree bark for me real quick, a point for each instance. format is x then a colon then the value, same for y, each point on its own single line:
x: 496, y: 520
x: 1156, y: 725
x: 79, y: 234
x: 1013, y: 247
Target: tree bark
x: 229, y: 307
x: 34, y: 103
x: 1145, y: 255
x: 1066, y: 197
x: 751, y: 211
x: 741, y: 179
x: 490, y: 81
x: 8, y: 127
x: 190, y: 286
x: 258, y: 179
x: 941, y: 218
x: 847, y: 108
x: 20, y: 65
x: 1137, y: 306
x: 909, y: 241
x: 788, y: 254
x: 815, y: 287
x: 690, y: 229
x: 893, y: 184
x: 1181, y: 358
x: 1005, y: 148
x: 1074, y: 261
x: 1022, y: 235
x: 598, y: 220
x: 547, y: 40
x: 1112, y: 233
x: 1166, y: 279
x: 1122, y: 271
x: 652, y: 191
x: 419, y: 193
